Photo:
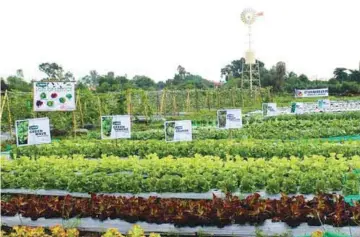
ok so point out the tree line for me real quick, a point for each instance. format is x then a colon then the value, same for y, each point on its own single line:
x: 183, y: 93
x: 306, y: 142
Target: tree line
x: 344, y: 81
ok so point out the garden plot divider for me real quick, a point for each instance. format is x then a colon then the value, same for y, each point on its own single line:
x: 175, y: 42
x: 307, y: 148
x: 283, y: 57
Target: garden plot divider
x: 206, y: 195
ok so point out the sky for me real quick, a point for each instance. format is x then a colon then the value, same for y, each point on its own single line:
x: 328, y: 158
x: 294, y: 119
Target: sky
x: 153, y: 37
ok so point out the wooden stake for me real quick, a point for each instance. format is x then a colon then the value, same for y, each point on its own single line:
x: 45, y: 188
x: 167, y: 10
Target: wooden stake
x: 99, y: 107
x: 128, y: 100
x: 10, y: 120
x: 174, y: 104
x: 78, y: 104
x: 188, y: 101
x: 162, y: 106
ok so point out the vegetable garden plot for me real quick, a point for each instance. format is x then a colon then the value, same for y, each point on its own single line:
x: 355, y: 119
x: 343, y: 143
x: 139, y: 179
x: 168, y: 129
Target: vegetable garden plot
x: 195, y: 174
x: 221, y: 148
x: 327, y: 208
x: 270, y: 228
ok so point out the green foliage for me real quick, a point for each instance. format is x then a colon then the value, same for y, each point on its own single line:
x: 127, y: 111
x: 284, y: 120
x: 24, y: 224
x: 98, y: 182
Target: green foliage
x: 221, y: 148
x: 188, y: 174
x: 22, y: 131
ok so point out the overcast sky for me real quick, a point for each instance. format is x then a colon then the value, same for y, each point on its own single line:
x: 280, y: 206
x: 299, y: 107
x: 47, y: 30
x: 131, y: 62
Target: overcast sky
x: 152, y: 37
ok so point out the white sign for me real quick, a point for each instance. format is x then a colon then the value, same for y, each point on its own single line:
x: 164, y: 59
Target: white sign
x: 32, y: 131
x: 311, y: 93
x: 54, y: 96
x: 116, y: 126
x: 229, y: 118
x: 297, y: 108
x: 178, y: 131
x: 269, y: 109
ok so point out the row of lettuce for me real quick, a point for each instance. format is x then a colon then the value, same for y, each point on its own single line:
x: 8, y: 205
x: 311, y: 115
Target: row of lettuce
x: 269, y: 128
x: 313, y: 174
x: 329, y: 209
x: 60, y: 231
x: 272, y: 129
x: 222, y: 148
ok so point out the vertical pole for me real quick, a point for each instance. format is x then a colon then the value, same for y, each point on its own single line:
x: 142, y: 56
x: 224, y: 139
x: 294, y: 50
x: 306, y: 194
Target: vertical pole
x: 188, y: 101
x: 162, y: 110
x: 174, y: 103
x: 129, y: 101
x: 3, y: 105
x: 80, y: 108
x: 8, y: 107
x: 74, y: 122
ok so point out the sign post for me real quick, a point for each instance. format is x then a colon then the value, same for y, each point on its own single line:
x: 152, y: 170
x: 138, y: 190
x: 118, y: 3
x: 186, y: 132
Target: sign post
x: 178, y: 131
x: 115, y: 127
x: 32, y: 131
x: 54, y: 96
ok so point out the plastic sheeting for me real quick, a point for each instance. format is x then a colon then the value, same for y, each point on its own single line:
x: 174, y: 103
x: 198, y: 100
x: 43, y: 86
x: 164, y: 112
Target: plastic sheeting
x: 207, y: 195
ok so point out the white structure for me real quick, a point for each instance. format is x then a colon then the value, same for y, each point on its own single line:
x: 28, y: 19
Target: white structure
x: 250, y: 69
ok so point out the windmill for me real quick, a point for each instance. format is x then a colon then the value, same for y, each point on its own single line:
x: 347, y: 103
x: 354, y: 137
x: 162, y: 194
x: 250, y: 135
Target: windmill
x: 250, y: 68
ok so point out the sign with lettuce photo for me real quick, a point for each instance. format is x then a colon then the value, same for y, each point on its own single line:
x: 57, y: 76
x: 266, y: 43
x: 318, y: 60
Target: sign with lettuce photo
x: 115, y: 126
x: 32, y: 131
x: 178, y: 131
x: 269, y: 109
x: 297, y: 108
x: 229, y: 118
x: 54, y: 96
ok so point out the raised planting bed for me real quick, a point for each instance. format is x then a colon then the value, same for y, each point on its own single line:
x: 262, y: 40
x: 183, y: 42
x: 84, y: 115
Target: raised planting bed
x: 198, y: 174
x: 322, y: 209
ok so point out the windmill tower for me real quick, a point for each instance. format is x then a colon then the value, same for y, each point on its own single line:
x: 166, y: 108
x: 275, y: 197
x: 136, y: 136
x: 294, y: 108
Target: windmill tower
x: 250, y: 68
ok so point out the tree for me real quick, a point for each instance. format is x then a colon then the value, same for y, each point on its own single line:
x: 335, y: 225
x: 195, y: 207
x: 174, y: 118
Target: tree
x: 340, y: 74
x: 20, y: 73
x: 143, y: 82
x: 354, y: 75
x: 181, y: 71
x: 17, y: 83
x: 280, y: 71
x: 69, y: 76
x: 52, y: 70
x: 4, y: 86
x: 236, y: 68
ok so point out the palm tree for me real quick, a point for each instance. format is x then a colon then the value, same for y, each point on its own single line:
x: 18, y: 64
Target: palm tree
x: 340, y: 74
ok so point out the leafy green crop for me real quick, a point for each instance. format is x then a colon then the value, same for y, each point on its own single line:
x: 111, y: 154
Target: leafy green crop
x: 106, y: 126
x: 315, y: 174
x: 221, y: 148
x: 22, y: 131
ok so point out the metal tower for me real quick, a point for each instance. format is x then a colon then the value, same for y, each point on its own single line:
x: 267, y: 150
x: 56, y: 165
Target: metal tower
x: 250, y: 76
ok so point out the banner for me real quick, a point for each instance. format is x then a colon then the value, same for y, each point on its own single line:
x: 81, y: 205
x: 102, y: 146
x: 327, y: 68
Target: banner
x: 297, y: 108
x: 229, y: 118
x: 178, y: 131
x: 54, y: 96
x: 311, y: 93
x: 324, y: 104
x: 32, y: 131
x: 269, y: 109
x: 115, y: 126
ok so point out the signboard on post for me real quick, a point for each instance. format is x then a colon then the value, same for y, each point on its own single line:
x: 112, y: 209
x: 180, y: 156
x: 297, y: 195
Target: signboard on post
x: 229, y: 118
x: 269, y: 109
x: 115, y: 126
x: 178, y: 131
x: 311, y: 93
x: 32, y: 131
x: 297, y: 108
x: 54, y: 96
